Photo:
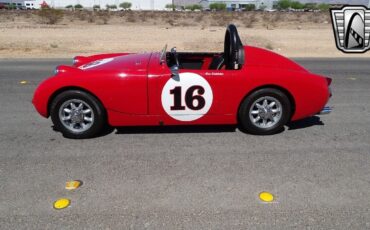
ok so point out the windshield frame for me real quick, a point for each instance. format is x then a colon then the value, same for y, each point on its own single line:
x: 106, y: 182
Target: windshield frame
x: 162, y: 58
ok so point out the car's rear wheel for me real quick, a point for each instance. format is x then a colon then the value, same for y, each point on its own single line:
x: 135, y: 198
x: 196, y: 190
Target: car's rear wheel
x: 77, y: 114
x: 265, y: 111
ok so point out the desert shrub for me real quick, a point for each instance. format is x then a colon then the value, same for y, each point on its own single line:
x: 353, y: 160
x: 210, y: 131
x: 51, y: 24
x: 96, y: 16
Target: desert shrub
x: 69, y: 7
x: 131, y: 18
x: 111, y: 7
x: 170, y: 6
x: 194, y: 7
x: 266, y: 17
x: 185, y: 23
x: 278, y: 16
x: 298, y: 18
x: 96, y: 7
x: 323, y: 7
x: 223, y: 18
x: 250, y: 20
x: 197, y: 7
x: 91, y: 18
x: 78, y: 7
x: 250, y: 7
x: 125, y: 5
x: 262, y: 7
x: 11, y: 6
x: 325, y: 17
x: 284, y: 4
x: 27, y: 14
x: 170, y: 21
x: 50, y: 16
x: 297, y: 5
x: 81, y: 15
x: 104, y: 16
x: 217, y: 6
x: 150, y: 15
x: 8, y: 17
x: 310, y: 6
x: 199, y: 17
x: 316, y: 17
x: 269, y: 46
x: 145, y: 15
x: 270, y: 19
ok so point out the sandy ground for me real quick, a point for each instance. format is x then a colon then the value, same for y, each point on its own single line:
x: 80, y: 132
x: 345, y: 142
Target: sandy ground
x: 29, y: 40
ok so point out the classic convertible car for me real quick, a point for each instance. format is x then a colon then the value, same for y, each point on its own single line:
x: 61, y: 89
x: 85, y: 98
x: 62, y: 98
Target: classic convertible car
x: 255, y: 88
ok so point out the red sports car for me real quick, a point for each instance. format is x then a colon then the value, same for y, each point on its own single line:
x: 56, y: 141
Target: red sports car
x: 255, y: 88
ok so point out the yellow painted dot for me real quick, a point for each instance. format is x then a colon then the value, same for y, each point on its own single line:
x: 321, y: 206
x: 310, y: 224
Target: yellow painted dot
x: 23, y: 82
x: 71, y: 185
x: 62, y: 203
x: 266, y: 196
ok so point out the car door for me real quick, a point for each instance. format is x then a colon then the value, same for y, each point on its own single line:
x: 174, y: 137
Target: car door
x: 194, y: 96
x: 123, y: 81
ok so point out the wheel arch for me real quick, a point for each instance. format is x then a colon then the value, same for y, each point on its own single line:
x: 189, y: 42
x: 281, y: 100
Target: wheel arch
x: 282, y: 89
x: 63, y: 89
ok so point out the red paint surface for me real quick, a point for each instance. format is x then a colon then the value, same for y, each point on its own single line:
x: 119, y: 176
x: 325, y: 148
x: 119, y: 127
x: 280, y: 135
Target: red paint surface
x: 130, y: 87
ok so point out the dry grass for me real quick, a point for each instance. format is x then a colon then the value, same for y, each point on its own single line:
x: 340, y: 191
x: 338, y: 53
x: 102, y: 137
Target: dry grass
x: 269, y: 20
x: 299, y: 34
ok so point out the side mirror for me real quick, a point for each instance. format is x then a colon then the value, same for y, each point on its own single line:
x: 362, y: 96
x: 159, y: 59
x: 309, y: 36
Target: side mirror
x: 175, y: 71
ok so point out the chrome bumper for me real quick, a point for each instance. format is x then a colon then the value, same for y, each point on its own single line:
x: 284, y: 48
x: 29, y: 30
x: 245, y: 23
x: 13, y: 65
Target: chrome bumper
x: 325, y: 110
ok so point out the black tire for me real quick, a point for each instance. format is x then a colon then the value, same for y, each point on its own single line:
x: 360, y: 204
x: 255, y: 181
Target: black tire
x: 97, y: 113
x: 246, y: 121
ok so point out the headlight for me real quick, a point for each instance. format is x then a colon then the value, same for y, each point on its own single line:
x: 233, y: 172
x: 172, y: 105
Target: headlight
x: 58, y: 69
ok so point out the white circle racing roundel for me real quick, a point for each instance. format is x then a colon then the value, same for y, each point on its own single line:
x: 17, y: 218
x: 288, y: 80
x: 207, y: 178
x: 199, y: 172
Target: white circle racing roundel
x: 187, y: 97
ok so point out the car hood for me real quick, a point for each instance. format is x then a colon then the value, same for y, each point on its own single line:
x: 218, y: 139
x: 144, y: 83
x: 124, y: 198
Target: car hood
x: 257, y: 57
x: 138, y: 62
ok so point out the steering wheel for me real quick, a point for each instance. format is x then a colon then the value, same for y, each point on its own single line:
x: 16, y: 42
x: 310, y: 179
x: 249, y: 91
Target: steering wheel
x: 175, y: 56
x: 233, y: 48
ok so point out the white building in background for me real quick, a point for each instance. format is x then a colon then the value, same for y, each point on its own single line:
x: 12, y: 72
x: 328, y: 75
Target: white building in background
x: 23, y: 4
x: 32, y: 4
x: 235, y: 4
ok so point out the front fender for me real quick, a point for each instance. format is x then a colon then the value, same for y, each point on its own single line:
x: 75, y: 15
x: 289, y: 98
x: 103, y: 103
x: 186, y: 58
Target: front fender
x: 54, y: 84
x: 42, y: 95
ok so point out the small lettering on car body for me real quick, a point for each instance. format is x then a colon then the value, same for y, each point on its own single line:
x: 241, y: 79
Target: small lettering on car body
x: 214, y: 74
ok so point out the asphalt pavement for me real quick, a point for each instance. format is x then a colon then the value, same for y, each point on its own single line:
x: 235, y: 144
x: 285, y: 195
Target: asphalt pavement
x: 318, y: 169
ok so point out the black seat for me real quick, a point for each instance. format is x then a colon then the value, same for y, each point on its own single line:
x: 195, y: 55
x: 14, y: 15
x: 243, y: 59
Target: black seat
x: 217, y: 62
x: 233, y: 49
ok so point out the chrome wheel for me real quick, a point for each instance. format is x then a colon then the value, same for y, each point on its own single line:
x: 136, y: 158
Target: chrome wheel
x: 76, y: 115
x: 265, y: 112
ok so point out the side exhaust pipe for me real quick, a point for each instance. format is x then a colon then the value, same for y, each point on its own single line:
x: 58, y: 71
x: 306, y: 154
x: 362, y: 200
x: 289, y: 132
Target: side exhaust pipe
x: 325, y: 110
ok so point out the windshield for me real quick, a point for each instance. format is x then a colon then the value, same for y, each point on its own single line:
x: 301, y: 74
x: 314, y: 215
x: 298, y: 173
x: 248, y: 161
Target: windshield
x: 162, y: 59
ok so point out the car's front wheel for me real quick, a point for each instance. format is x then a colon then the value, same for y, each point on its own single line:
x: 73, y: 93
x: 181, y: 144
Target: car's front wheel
x: 265, y: 111
x: 77, y: 114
